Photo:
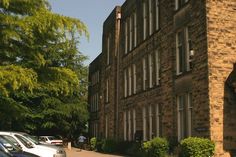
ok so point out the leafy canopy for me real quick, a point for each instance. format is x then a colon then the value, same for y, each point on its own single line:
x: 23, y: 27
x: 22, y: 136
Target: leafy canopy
x: 41, y: 70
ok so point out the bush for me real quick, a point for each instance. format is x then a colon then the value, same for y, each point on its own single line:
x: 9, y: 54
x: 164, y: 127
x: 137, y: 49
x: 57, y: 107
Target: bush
x: 197, y: 147
x: 99, y: 145
x: 123, y: 147
x: 109, y: 146
x: 93, y: 143
x: 157, y: 147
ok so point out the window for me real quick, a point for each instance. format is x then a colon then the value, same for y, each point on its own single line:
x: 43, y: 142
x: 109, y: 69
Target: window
x: 190, y: 107
x: 180, y: 3
x: 184, y: 105
x: 108, y: 49
x: 130, y: 33
x: 129, y: 125
x: 144, y: 124
x: 107, y: 91
x: 135, y: 29
x: 150, y: 63
x: 157, y: 64
x: 125, y: 83
x: 134, y: 121
x: 27, y: 143
x: 126, y: 37
x: 157, y: 14
x: 188, y: 44
x: 158, y: 120
x: 150, y: 17
x: 134, y: 79
x: 125, y: 126
x: 106, y: 126
x: 181, y: 118
x: 180, y: 52
x: 144, y: 74
x: 97, y: 102
x: 130, y: 81
x: 150, y: 122
x: 144, y: 21
x: 183, y: 47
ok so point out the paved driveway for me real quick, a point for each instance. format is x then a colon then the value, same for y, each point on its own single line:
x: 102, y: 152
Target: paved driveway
x: 74, y: 152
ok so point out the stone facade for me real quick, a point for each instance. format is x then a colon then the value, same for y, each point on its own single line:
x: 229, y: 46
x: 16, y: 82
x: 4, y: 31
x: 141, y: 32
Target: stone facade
x: 151, y: 90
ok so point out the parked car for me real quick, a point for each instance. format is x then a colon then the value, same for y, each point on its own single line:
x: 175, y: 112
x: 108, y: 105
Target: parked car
x: 28, y: 144
x: 4, y: 152
x: 8, y: 147
x: 54, y: 140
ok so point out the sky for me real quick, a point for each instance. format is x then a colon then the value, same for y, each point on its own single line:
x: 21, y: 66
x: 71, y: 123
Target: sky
x: 92, y: 13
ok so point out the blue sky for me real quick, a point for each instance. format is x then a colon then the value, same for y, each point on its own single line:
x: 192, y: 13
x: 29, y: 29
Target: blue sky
x: 93, y: 13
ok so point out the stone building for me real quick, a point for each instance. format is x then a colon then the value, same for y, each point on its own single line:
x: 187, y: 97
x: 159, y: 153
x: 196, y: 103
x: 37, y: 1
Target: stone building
x: 167, y: 68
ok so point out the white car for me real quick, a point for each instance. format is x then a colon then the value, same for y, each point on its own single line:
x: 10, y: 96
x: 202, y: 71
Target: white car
x: 51, y: 140
x: 28, y: 144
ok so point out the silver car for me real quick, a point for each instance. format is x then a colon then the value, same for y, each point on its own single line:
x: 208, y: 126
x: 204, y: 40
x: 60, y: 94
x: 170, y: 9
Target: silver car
x: 28, y: 144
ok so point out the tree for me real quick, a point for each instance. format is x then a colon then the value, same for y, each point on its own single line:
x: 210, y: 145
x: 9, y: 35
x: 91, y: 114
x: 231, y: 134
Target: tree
x: 42, y: 76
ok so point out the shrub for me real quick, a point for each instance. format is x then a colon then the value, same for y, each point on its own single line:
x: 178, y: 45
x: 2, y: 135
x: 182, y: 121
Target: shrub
x: 99, y: 145
x: 123, y: 147
x: 157, y: 147
x: 197, y: 147
x: 109, y: 146
x: 93, y: 143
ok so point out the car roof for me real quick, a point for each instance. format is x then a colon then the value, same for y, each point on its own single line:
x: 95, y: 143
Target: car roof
x: 11, y: 132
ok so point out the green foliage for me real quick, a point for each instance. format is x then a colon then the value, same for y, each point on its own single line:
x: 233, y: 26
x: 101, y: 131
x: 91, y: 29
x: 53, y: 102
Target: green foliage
x: 130, y: 148
x: 43, y: 81
x: 93, y: 143
x: 13, y: 78
x: 157, y: 147
x: 197, y: 147
x: 109, y: 146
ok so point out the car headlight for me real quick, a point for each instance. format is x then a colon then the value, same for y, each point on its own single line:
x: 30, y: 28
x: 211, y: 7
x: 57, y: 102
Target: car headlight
x: 60, y: 151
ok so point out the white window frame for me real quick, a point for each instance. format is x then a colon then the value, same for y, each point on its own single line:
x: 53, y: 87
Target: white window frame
x: 184, y: 127
x: 134, y: 79
x: 144, y: 21
x: 150, y: 17
x: 150, y: 63
x: 157, y: 14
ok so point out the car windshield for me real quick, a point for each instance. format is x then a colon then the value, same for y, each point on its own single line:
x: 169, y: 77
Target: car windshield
x: 31, y: 138
x: 52, y: 138
x: 25, y: 141
x: 10, y: 142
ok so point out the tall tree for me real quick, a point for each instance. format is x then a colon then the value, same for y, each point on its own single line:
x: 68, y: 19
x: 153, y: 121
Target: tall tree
x: 42, y: 76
